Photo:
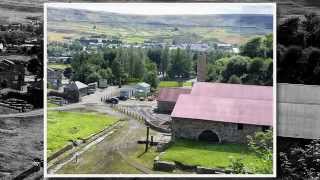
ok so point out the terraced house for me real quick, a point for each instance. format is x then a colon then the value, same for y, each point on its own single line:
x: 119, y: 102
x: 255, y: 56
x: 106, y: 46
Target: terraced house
x: 218, y: 112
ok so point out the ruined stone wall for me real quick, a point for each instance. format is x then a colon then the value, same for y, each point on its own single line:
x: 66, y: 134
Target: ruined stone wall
x: 227, y: 132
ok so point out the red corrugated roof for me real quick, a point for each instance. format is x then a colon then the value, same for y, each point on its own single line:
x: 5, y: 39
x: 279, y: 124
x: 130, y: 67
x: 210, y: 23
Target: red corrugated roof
x: 223, y: 90
x: 233, y: 110
x: 171, y: 94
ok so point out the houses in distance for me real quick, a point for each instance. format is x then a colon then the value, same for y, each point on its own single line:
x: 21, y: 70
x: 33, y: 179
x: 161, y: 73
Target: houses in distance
x: 92, y: 44
x: 19, y: 44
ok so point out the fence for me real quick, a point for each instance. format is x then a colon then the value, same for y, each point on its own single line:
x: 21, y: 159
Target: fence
x: 139, y: 117
x: 127, y: 112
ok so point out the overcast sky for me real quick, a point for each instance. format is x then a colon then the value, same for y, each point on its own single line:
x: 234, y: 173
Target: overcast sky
x: 171, y: 8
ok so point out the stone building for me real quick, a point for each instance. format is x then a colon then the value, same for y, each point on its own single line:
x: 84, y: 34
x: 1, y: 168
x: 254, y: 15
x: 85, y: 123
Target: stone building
x: 11, y: 74
x: 219, y: 112
x: 76, y: 87
x: 167, y: 98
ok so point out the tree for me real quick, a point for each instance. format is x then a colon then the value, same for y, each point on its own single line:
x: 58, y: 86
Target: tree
x: 67, y: 72
x: 75, y: 46
x: 262, y: 144
x: 301, y: 162
x: 93, y: 77
x: 253, y: 48
x: 237, y: 65
x: 237, y: 166
x: 288, y: 33
x: 151, y: 75
x: 311, y: 25
x: 117, y: 70
x: 256, y: 71
x: 290, y: 69
x: 165, y: 61
x: 234, y: 79
x: 105, y: 73
x: 139, y: 69
x: 109, y: 55
x: 268, y: 45
x: 180, y: 66
x: 154, y: 55
x: 212, y: 74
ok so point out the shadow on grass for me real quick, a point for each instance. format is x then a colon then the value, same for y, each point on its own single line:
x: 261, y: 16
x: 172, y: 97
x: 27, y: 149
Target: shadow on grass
x: 140, y: 155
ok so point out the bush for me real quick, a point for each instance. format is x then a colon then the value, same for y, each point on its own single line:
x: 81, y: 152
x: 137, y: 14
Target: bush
x: 237, y: 166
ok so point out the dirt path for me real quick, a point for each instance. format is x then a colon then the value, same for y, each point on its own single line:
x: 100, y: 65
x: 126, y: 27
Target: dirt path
x: 112, y: 154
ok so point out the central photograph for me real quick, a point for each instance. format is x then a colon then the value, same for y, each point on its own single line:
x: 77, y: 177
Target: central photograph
x: 160, y: 89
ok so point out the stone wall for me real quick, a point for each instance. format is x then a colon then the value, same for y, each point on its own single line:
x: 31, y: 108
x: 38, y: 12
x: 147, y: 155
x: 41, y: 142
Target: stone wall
x: 227, y: 132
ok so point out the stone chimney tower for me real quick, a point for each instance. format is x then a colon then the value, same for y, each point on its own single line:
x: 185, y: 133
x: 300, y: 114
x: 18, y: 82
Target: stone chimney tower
x: 202, y: 67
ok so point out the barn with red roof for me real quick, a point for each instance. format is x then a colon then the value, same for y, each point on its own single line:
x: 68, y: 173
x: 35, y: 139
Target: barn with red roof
x: 223, y: 112
x: 167, y: 98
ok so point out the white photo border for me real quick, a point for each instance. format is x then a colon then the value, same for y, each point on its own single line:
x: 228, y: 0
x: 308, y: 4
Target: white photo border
x: 46, y: 175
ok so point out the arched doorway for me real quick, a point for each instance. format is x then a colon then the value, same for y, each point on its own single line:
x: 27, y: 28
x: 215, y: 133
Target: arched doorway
x: 209, y: 136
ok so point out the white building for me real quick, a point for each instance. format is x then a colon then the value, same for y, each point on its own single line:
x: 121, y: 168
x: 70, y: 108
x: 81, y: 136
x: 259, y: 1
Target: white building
x: 143, y: 88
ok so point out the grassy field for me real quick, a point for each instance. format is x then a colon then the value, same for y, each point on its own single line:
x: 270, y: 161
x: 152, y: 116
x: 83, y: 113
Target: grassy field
x: 173, y: 84
x: 51, y: 105
x: 58, y: 66
x: 58, y: 31
x: 64, y: 126
x: 211, y: 155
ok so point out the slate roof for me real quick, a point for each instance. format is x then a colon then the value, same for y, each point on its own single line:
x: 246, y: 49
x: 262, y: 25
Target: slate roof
x: 171, y: 94
x: 143, y: 84
x: 80, y: 85
x: 232, y: 110
x: 224, y: 90
x: 233, y: 103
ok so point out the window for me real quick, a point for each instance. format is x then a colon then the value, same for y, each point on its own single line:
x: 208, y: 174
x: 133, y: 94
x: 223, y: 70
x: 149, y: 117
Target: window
x: 240, y: 126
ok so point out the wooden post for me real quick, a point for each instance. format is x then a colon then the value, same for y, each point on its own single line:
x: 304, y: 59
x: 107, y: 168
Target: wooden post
x: 147, y: 139
x: 151, y: 143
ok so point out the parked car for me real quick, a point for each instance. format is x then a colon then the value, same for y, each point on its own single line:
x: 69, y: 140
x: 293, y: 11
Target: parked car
x: 112, y: 100
x: 123, y: 98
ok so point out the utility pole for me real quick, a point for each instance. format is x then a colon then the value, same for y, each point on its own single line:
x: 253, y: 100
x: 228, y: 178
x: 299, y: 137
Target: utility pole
x: 147, y: 139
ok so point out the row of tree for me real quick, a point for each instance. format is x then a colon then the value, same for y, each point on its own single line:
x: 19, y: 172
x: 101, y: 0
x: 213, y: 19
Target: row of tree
x: 298, y: 50
x: 122, y: 65
x: 253, y: 66
x: 118, y: 66
x: 242, y: 70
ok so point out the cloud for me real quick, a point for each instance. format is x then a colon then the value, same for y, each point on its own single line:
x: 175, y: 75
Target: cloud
x: 172, y: 8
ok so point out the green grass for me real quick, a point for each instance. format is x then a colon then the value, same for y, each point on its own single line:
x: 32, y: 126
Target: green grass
x: 64, y: 126
x: 137, y: 34
x: 52, y: 105
x: 58, y: 66
x: 173, y: 84
x: 211, y: 155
